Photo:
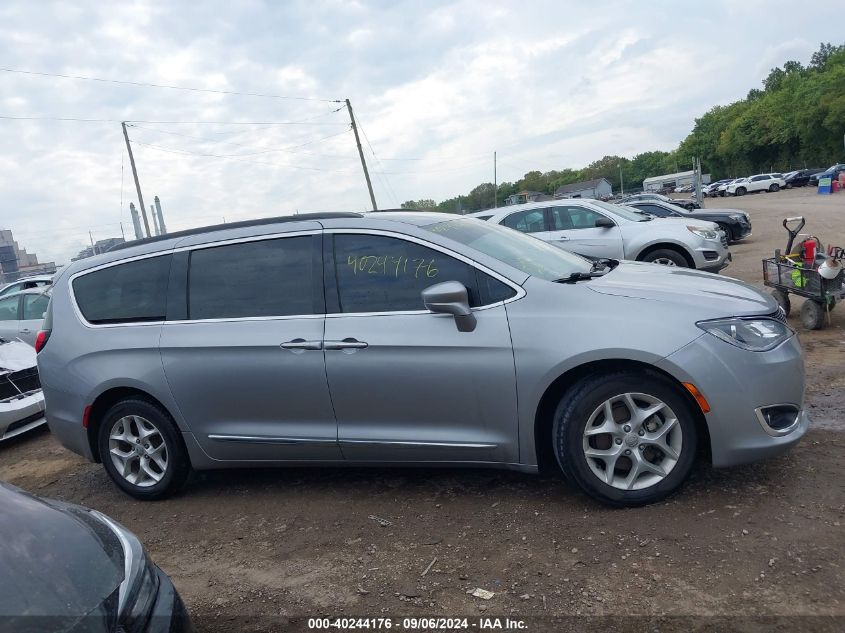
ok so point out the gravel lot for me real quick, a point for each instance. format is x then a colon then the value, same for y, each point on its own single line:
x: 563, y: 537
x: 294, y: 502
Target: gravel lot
x: 249, y: 549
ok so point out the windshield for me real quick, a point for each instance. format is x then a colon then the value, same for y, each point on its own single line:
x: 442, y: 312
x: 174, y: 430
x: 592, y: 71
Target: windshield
x: 622, y: 212
x: 528, y: 254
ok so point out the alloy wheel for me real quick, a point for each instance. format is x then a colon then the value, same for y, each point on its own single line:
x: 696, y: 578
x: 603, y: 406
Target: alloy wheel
x: 138, y: 451
x: 664, y: 261
x: 632, y: 441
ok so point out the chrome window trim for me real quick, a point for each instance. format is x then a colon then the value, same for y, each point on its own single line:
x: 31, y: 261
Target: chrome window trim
x: 520, y: 291
x: 172, y: 251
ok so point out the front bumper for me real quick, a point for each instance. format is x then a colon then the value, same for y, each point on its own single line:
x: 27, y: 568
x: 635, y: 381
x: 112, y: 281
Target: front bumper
x: 19, y: 415
x: 169, y: 614
x: 713, y: 266
x: 735, y: 383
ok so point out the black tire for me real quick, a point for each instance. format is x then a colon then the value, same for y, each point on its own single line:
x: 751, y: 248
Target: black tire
x: 774, y: 187
x: 177, y: 461
x: 789, y: 185
x: 812, y: 315
x: 573, y: 414
x: 783, y: 300
x: 727, y: 231
x: 741, y: 191
x: 666, y: 254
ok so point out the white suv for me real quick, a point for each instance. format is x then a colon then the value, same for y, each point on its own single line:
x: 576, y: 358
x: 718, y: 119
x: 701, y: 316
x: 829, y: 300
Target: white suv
x: 597, y: 229
x: 760, y: 182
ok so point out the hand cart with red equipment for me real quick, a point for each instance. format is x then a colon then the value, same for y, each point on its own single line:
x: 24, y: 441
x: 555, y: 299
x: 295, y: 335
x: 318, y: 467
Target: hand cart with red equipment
x: 798, y: 273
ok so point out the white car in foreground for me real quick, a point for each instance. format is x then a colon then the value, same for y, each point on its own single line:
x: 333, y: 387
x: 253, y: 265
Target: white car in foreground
x: 597, y: 230
x: 21, y: 398
x: 754, y: 184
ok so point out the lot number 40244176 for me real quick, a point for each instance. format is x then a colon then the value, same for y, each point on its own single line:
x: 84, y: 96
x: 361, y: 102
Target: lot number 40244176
x: 395, y: 266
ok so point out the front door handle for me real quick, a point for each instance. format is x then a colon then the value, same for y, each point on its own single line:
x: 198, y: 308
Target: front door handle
x: 347, y: 343
x: 301, y: 344
x: 25, y: 331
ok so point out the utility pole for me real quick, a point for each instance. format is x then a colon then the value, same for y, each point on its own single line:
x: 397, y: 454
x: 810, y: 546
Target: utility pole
x: 621, y: 183
x: 135, y: 175
x: 361, y: 154
x: 122, y: 234
x: 91, y: 237
x: 495, y: 184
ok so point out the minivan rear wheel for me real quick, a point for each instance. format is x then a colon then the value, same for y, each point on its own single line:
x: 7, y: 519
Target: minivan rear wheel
x: 141, y: 449
x: 626, y: 438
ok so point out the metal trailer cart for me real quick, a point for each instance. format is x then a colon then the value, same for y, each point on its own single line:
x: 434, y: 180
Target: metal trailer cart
x: 789, y: 274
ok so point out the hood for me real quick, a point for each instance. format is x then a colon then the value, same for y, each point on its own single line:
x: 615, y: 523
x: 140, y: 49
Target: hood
x: 712, y: 296
x: 684, y: 222
x: 56, y: 561
x: 15, y: 355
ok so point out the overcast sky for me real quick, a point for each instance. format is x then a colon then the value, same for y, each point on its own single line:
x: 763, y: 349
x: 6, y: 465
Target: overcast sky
x: 437, y: 87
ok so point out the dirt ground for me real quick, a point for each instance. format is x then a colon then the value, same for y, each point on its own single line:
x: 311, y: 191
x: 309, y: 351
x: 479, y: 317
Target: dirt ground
x: 754, y: 548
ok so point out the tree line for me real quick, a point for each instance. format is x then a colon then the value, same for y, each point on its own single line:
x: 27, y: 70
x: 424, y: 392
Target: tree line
x: 796, y: 120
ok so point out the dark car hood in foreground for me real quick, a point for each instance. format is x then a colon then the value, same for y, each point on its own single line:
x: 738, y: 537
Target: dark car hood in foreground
x: 57, y: 564
x: 722, y: 212
x: 713, y: 294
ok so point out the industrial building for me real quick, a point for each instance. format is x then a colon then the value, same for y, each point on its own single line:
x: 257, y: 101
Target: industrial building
x: 672, y: 181
x: 15, y: 262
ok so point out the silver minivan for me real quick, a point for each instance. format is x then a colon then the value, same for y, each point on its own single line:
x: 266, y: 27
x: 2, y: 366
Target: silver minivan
x: 411, y: 338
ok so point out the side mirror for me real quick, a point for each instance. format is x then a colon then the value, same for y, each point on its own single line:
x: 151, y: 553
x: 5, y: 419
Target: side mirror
x: 450, y: 297
x: 604, y: 223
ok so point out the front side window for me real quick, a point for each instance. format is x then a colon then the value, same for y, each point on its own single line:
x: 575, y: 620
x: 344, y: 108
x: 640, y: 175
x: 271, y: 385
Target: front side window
x: 376, y: 273
x: 9, y: 309
x: 581, y: 218
x: 131, y: 292
x: 34, y: 306
x: 263, y: 278
x: 531, y: 221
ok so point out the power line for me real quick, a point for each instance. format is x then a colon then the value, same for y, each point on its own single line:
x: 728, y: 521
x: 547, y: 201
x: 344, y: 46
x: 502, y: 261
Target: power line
x: 84, y: 120
x: 181, y: 152
x: 290, y: 148
x: 168, y: 87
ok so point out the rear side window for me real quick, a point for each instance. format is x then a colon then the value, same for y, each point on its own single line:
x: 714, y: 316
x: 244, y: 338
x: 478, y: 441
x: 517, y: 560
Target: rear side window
x: 124, y: 293
x: 252, y: 279
x: 530, y: 221
x: 385, y: 274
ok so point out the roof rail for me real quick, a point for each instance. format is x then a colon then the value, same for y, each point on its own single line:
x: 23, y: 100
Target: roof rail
x: 236, y: 225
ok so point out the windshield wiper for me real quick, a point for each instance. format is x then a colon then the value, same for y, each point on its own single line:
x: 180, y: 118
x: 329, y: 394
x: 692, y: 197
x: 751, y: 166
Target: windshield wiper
x: 604, y: 262
x: 578, y: 276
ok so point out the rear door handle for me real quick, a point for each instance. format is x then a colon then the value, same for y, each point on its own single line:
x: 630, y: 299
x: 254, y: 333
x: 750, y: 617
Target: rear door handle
x: 25, y: 331
x: 347, y: 343
x: 301, y: 344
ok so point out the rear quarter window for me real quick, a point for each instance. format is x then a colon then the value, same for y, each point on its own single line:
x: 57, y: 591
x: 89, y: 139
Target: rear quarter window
x: 124, y: 293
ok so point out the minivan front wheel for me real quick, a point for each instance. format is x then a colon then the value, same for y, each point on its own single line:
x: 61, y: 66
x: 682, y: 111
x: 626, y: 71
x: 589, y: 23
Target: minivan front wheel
x: 141, y: 450
x: 626, y: 438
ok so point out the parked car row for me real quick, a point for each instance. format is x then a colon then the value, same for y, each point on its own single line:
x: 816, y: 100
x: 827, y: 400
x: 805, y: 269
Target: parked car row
x: 772, y: 182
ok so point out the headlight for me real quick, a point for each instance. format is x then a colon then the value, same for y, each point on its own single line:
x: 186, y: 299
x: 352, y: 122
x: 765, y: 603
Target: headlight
x: 139, y: 588
x: 752, y: 334
x: 707, y: 234
x: 738, y: 218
